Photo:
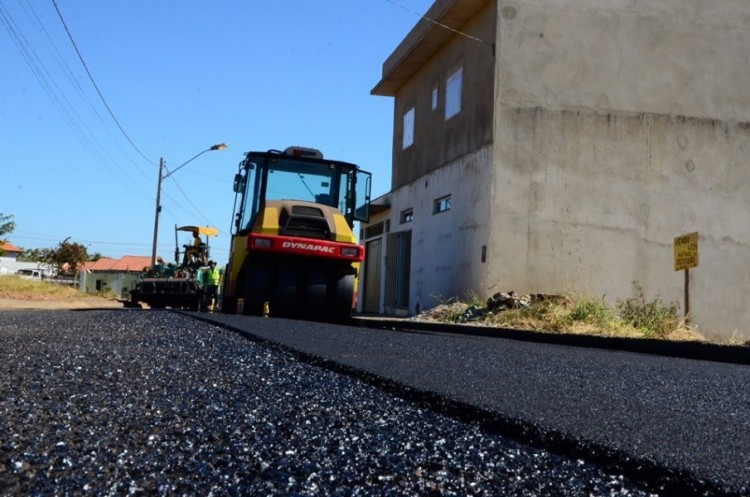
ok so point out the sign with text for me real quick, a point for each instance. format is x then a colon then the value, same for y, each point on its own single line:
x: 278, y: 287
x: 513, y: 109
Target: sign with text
x: 686, y: 251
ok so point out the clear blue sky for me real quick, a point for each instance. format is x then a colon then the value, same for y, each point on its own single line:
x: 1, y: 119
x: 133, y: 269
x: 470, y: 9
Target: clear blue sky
x: 180, y: 76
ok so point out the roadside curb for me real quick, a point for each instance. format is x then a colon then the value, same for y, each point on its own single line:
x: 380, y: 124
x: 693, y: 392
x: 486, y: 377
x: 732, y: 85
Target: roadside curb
x: 733, y: 354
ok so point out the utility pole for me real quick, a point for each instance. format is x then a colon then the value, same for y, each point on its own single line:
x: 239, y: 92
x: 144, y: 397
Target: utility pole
x: 158, y: 210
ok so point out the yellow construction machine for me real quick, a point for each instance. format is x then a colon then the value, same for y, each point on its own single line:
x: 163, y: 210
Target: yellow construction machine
x: 293, y: 252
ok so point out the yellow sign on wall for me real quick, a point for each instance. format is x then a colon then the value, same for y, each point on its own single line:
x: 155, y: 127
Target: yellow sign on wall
x: 686, y: 251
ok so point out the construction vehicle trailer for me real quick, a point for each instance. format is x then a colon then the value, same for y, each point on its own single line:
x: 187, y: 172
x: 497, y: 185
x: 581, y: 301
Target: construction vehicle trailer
x: 180, y: 285
x: 293, y: 252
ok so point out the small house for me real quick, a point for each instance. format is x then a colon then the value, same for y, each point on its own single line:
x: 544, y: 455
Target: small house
x: 115, y: 275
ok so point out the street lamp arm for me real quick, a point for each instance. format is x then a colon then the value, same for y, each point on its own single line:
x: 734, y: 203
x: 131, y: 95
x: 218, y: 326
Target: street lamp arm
x: 162, y: 176
x: 220, y: 146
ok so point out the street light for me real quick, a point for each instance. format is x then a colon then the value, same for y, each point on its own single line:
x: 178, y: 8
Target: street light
x: 162, y: 177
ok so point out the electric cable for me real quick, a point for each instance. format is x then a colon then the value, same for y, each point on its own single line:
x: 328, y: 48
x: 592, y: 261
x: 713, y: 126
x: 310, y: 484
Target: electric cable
x: 91, y: 78
x: 34, y: 17
x: 437, y: 23
x: 57, y: 96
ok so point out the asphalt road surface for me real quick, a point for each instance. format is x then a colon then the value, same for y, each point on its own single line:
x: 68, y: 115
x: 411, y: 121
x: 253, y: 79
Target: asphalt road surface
x: 134, y: 402
x: 654, y: 416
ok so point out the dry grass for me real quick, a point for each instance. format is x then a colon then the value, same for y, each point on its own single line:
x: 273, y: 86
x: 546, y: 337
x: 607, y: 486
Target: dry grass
x: 16, y: 287
x: 579, y: 316
x: 20, y: 293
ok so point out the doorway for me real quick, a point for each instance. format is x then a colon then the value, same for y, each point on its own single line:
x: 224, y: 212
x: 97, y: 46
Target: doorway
x: 398, y: 268
x: 373, y: 261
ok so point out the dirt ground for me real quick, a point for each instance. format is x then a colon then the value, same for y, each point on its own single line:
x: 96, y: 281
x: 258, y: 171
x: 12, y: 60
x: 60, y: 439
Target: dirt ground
x: 58, y: 304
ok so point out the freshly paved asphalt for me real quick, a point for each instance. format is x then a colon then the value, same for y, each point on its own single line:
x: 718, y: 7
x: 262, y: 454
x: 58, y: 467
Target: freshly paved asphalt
x: 665, y: 417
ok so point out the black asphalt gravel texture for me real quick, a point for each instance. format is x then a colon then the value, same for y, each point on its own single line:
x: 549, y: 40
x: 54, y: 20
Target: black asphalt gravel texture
x: 682, y: 424
x: 155, y: 402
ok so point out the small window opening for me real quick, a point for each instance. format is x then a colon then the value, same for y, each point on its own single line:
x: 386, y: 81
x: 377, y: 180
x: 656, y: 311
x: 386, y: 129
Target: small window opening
x: 408, y: 138
x: 407, y: 216
x: 442, y: 204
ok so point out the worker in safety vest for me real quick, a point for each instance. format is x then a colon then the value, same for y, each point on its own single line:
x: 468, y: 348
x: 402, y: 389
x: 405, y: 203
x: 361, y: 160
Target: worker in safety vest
x: 213, y: 276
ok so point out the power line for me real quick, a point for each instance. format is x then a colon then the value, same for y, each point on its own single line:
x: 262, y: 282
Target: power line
x: 18, y: 234
x: 190, y: 202
x: 91, y: 78
x: 56, y: 94
x: 437, y: 23
x: 76, y: 84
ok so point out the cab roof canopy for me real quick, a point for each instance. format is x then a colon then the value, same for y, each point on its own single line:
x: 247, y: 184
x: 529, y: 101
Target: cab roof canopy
x: 202, y: 230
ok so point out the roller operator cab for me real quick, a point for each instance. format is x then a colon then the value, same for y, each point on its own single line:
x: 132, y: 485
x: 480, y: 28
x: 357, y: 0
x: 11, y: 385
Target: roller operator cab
x: 293, y: 252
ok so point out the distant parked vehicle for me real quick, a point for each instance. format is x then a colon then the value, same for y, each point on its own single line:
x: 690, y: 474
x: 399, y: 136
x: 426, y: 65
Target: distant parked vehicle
x: 31, y: 274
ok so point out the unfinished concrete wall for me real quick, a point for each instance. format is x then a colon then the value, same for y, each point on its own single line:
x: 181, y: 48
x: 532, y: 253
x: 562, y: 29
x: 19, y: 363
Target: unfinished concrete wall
x: 620, y: 125
x: 446, y: 247
x: 675, y: 57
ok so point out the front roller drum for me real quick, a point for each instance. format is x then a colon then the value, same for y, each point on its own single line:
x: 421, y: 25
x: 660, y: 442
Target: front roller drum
x: 313, y: 306
x: 317, y: 294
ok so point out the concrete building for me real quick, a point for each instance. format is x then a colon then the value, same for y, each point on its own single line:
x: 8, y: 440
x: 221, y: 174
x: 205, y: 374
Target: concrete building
x: 560, y: 146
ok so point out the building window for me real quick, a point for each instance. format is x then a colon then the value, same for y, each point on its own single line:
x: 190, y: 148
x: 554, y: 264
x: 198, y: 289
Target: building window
x: 442, y: 204
x: 434, y: 97
x: 453, y: 93
x: 407, y: 216
x: 408, y: 128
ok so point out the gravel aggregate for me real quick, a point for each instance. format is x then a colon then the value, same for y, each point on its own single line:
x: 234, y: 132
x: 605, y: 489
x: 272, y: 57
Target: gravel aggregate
x: 142, y: 403
x: 681, y: 424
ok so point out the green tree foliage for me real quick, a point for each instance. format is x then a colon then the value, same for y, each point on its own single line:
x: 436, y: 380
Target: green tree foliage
x: 42, y: 255
x: 7, y: 225
x: 31, y: 255
x: 66, y: 257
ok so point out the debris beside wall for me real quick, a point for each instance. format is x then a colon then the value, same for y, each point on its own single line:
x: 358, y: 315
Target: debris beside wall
x: 550, y: 313
x: 442, y: 312
x: 499, y: 302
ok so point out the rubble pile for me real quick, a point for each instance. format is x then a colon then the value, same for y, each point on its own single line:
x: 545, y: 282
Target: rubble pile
x: 499, y: 302
x: 442, y: 313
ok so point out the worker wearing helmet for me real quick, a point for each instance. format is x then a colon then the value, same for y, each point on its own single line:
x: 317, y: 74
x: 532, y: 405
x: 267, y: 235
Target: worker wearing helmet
x: 213, y: 277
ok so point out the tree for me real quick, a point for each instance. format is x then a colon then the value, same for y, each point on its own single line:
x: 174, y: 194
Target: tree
x: 68, y: 254
x: 6, y: 226
x: 31, y: 255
